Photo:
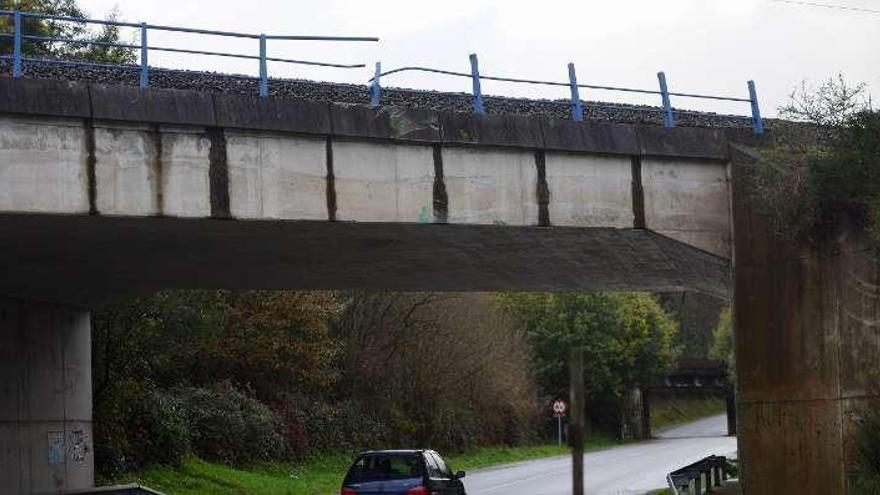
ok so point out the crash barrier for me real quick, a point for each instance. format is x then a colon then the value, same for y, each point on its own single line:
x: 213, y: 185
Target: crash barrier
x: 701, y: 476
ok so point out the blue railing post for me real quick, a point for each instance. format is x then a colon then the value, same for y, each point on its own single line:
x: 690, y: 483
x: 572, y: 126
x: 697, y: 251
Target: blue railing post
x: 577, y: 108
x: 264, y: 71
x: 479, y: 107
x: 668, y: 118
x: 376, y: 88
x: 145, y: 63
x: 757, y: 122
x: 16, y: 50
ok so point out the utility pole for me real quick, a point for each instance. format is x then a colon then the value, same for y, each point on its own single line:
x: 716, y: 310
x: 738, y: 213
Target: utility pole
x: 576, y: 422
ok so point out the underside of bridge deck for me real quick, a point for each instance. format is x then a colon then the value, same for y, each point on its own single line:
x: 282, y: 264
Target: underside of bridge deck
x: 84, y: 260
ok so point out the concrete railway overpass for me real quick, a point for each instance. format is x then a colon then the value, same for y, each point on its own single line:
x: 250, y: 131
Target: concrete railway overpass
x: 106, y: 191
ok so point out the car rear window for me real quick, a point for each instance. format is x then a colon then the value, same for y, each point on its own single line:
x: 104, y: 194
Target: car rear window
x: 377, y: 467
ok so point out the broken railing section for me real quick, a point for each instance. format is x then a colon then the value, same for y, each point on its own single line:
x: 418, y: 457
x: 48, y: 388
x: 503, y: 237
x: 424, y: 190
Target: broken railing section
x: 20, y: 37
x: 700, y: 477
x: 576, y: 104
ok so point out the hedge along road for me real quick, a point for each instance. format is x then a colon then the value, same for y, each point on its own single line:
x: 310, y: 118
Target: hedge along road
x: 636, y: 468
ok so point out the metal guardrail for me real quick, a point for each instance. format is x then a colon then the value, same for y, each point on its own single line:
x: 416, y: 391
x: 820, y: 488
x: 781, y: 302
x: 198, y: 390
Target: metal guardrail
x: 576, y: 104
x: 714, y: 470
x: 375, y: 88
x: 19, y: 37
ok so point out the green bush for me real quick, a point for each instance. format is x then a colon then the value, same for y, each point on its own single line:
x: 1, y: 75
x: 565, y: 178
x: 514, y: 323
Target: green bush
x: 230, y: 427
x: 866, y: 470
x: 314, y: 426
x: 137, y: 425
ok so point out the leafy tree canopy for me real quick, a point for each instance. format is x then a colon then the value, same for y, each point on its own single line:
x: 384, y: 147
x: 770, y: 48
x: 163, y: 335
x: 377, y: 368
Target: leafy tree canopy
x: 63, y: 29
x: 628, y: 338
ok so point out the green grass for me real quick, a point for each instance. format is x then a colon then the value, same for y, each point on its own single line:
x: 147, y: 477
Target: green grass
x: 670, y: 412
x: 319, y: 476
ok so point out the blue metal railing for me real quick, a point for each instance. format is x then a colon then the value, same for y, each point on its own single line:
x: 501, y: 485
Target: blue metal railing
x: 578, y: 112
x: 19, y: 37
x: 577, y: 108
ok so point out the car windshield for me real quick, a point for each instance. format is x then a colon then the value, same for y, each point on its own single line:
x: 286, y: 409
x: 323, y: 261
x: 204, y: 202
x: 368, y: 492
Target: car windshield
x: 377, y: 467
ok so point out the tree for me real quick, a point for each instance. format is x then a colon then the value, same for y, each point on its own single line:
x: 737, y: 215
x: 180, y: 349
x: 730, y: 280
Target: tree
x: 831, y: 104
x: 628, y: 340
x: 63, y: 29
x: 723, y: 345
x: 822, y: 165
x: 450, y: 371
x: 274, y: 342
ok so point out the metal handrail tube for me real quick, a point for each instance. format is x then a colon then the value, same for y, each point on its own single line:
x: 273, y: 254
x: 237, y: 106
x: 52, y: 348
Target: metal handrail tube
x: 514, y: 80
x: 77, y: 62
x: 709, y: 97
x: 189, y: 30
x: 75, y: 41
x: 181, y: 50
x: 80, y: 20
x: 254, y: 57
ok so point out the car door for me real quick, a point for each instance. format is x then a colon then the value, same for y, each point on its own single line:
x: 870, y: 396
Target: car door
x: 442, y: 482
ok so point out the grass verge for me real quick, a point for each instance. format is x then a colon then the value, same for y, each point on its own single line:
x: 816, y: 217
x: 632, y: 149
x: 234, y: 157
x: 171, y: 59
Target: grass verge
x: 671, y: 412
x: 320, y: 476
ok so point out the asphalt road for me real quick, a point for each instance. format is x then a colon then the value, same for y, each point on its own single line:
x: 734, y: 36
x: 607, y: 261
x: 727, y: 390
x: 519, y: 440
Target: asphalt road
x: 631, y: 469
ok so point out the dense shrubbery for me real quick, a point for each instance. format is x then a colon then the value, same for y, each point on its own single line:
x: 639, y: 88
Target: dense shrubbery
x: 227, y: 426
x: 322, y: 372
x: 825, y: 169
x: 138, y: 425
x: 242, y: 377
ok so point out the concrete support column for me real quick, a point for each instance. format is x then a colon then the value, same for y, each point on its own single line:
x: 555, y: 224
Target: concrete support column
x: 806, y: 313
x: 45, y: 398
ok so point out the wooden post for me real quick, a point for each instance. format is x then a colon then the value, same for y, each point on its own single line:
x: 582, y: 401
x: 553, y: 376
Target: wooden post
x: 577, y: 420
x: 731, y: 413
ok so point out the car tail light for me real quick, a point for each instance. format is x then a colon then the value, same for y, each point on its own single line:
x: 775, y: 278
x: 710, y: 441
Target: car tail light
x: 348, y: 491
x: 418, y: 490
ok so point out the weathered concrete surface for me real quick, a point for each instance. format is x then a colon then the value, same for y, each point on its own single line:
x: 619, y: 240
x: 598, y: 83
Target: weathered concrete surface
x: 44, y: 256
x: 43, y: 166
x: 590, y: 190
x: 276, y: 176
x: 491, y: 187
x: 379, y: 182
x: 806, y: 318
x: 45, y: 398
x: 669, y: 185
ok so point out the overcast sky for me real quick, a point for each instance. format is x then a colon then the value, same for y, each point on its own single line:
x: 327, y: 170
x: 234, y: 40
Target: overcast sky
x: 704, y: 46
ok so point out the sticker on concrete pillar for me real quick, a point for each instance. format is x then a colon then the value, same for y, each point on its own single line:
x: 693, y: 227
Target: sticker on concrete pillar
x: 56, y: 447
x: 78, y: 447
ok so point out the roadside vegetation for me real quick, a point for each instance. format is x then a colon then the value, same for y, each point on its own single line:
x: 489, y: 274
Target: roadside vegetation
x: 320, y: 475
x: 240, y: 388
x: 821, y: 171
x: 667, y: 412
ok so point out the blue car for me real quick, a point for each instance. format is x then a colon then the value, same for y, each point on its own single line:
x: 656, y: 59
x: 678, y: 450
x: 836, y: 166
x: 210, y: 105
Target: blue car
x: 401, y: 472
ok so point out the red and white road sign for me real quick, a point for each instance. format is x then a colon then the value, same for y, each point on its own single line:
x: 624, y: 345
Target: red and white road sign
x: 559, y: 407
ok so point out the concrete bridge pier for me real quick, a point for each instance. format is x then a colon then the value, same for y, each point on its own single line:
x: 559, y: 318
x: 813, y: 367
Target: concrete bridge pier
x: 45, y: 398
